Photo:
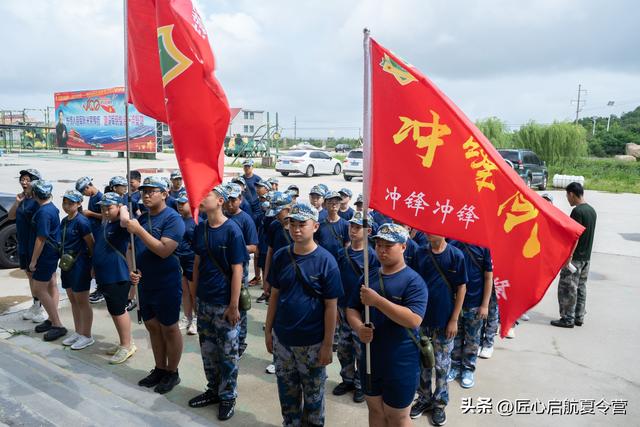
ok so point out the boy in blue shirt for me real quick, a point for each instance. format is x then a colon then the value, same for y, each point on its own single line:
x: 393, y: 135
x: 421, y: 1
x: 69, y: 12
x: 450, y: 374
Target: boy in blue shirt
x: 316, y: 199
x: 220, y: 252
x: 158, y: 234
x: 250, y: 234
x: 44, y: 259
x: 346, y: 211
x: 277, y: 235
x: 442, y: 268
x: 22, y: 212
x: 176, y: 184
x: 250, y: 180
x: 397, y: 297
x: 301, y: 319
x: 110, y: 266
x: 477, y: 262
x: 351, y: 264
x: 85, y: 186
x: 333, y: 233
x: 77, y: 241
x: 186, y: 255
x: 135, y: 179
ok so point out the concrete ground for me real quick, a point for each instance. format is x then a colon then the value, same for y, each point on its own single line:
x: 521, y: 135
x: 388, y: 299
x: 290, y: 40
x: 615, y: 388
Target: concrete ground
x: 44, y: 384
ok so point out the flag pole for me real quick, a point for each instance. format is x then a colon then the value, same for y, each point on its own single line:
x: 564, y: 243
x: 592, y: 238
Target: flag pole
x: 126, y: 137
x: 366, y: 183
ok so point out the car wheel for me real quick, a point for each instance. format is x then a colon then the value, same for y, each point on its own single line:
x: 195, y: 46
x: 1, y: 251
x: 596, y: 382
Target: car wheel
x: 9, y: 247
x: 285, y: 173
x: 309, y: 172
x: 528, y: 181
x: 348, y: 177
x: 337, y: 169
x: 543, y: 185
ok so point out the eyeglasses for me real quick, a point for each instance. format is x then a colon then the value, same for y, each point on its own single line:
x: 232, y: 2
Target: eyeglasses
x: 149, y: 192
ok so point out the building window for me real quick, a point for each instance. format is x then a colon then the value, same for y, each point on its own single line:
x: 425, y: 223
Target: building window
x: 251, y: 127
x: 251, y: 115
x: 246, y: 129
x: 246, y: 114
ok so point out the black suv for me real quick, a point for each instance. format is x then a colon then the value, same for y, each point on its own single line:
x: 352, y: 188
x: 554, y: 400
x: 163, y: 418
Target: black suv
x: 8, y: 236
x: 529, y: 167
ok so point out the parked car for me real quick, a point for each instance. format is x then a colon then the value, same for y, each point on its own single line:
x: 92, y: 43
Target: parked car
x: 353, y: 164
x: 308, y: 162
x: 529, y: 166
x: 341, y: 148
x: 8, y: 235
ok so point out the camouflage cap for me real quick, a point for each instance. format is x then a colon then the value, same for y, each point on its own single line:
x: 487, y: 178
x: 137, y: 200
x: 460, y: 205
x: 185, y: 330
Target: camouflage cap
x: 176, y: 174
x: 265, y: 184
x: 316, y: 189
x: 32, y: 173
x: 182, y: 197
x: 118, y: 180
x: 277, y: 203
x: 155, y: 181
x: 233, y: 190
x: 394, y: 233
x: 303, y: 212
x: 42, y: 188
x: 332, y: 195
x: 247, y: 162
x: 83, y: 182
x: 359, y: 199
x: 358, y: 217
x: 273, y: 180
x: 222, y: 192
x: 73, y: 195
x: 239, y: 180
x: 109, y: 199
x: 346, y: 192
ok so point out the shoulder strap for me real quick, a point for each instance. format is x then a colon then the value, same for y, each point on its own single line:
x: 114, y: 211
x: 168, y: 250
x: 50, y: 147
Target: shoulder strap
x: 309, y: 290
x: 442, y: 275
x: 286, y: 235
x: 333, y: 231
x: 211, y: 257
x: 355, y: 267
x: 409, y: 331
x: 104, y: 232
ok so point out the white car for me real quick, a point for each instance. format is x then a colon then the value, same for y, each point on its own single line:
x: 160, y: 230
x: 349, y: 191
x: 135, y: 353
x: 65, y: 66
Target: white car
x: 353, y: 164
x: 308, y: 162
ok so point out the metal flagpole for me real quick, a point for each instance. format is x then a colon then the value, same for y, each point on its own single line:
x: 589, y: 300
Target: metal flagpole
x: 366, y: 182
x: 126, y: 137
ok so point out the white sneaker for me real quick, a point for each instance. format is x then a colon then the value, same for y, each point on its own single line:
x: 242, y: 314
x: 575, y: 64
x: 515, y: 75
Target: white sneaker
x: 72, y: 339
x: 479, y: 350
x: 271, y: 369
x: 192, y: 329
x: 28, y: 314
x: 486, y: 353
x: 511, y: 334
x: 82, y: 342
x: 39, y: 315
x: 525, y: 317
x: 184, y: 322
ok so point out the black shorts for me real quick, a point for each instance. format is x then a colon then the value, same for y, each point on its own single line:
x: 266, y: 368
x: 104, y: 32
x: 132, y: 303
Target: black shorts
x: 116, y: 295
x: 24, y: 261
x: 162, y: 304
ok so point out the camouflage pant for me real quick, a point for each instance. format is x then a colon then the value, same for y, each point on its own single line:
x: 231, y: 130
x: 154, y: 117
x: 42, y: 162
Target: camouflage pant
x: 490, y: 326
x: 300, y: 377
x: 349, y: 350
x: 572, y: 292
x: 466, y: 343
x: 442, y: 348
x: 219, y: 349
x: 243, y: 314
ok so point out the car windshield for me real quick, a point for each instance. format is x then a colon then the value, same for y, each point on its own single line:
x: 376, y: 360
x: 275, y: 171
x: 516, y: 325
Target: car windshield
x: 512, y: 156
x: 295, y: 154
x: 355, y: 155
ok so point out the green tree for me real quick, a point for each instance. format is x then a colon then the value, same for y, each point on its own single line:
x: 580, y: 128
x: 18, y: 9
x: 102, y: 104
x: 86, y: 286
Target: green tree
x: 496, y: 131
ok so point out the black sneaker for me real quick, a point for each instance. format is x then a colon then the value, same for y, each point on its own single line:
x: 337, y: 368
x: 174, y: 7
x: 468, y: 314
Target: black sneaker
x: 54, y: 333
x: 207, y: 398
x: 43, y: 327
x: 96, y: 297
x: 578, y: 322
x: 420, y: 407
x: 562, y: 323
x: 358, y: 395
x: 131, y: 304
x: 438, y: 417
x: 168, y: 382
x: 226, y: 409
x: 153, y: 378
x: 343, y: 388
x: 262, y: 298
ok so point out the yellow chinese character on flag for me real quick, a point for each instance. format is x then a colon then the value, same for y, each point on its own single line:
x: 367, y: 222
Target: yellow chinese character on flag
x: 430, y: 142
x: 483, y: 166
x: 521, y: 210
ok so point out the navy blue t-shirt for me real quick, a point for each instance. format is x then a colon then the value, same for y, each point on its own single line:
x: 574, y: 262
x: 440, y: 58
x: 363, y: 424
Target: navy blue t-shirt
x: 300, y: 316
x: 93, y: 206
x: 348, y: 214
x: 410, y: 253
x: 246, y: 207
x: 24, y: 215
x: 248, y: 228
x: 441, y: 299
x: 109, y: 266
x: 351, y: 264
x: 379, y: 218
x: 277, y: 236
x: 421, y: 239
x: 171, y: 202
x: 73, y: 233
x: 263, y: 224
x: 176, y: 193
x: 475, y: 275
x: 184, y: 250
x: 227, y: 246
x: 46, y: 223
x: 158, y: 272
x: 394, y: 355
x: 322, y: 215
x: 250, y: 191
x: 333, y: 236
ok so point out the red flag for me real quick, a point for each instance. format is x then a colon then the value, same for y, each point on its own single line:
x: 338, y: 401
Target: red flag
x: 432, y: 169
x: 196, y: 106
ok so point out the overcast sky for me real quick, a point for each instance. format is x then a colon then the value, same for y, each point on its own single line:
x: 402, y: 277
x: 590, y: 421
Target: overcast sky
x: 517, y: 60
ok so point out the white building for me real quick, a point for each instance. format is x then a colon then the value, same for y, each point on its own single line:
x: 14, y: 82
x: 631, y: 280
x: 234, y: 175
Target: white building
x: 245, y: 122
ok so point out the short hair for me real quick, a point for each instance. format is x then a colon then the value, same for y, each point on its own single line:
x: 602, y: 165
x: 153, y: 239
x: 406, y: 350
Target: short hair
x: 135, y: 175
x: 575, y: 188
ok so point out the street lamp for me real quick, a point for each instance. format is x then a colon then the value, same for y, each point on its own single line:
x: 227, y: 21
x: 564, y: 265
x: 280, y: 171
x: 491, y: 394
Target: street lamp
x: 609, y: 104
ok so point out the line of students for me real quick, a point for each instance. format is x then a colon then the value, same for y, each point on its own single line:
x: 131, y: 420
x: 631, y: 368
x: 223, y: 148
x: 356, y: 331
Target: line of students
x: 313, y: 275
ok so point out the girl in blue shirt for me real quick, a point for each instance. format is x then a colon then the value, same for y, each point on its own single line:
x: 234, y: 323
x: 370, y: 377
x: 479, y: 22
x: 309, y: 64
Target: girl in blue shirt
x: 186, y: 255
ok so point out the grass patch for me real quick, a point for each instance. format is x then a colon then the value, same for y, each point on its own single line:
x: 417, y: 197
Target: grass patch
x: 601, y: 174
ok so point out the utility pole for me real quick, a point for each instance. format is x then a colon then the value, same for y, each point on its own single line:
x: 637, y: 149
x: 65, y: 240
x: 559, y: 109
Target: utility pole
x: 593, y: 131
x: 579, y: 103
x: 609, y: 104
x: 295, y: 128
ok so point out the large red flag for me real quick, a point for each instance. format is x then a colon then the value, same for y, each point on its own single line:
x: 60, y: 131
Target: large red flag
x: 195, y: 104
x: 431, y: 168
